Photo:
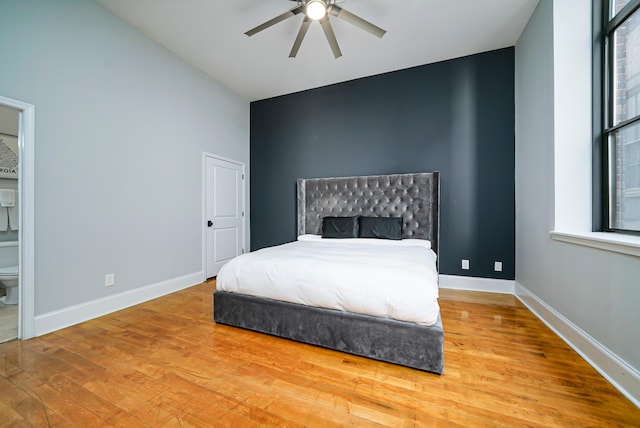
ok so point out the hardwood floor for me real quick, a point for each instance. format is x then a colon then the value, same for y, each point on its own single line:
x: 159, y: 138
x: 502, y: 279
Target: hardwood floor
x: 165, y: 363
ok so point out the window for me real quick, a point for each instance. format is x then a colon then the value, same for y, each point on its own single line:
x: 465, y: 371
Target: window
x: 621, y: 119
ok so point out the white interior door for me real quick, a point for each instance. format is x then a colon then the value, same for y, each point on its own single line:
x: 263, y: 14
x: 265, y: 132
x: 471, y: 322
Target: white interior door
x: 224, y: 197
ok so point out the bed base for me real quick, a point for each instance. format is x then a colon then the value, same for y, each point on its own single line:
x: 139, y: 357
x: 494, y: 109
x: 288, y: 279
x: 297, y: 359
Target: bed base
x: 408, y: 344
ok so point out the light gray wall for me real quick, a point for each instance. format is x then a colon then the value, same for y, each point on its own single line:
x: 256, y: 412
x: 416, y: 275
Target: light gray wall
x: 596, y: 290
x: 121, y: 124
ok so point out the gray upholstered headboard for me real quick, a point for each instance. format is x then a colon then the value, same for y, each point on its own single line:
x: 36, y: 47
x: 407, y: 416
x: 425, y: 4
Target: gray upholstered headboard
x: 414, y: 197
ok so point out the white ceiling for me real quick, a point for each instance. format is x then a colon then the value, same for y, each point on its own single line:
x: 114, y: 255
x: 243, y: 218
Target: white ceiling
x: 209, y: 34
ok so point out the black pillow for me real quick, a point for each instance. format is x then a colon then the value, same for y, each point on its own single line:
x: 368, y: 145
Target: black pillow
x: 340, y: 227
x: 381, y: 227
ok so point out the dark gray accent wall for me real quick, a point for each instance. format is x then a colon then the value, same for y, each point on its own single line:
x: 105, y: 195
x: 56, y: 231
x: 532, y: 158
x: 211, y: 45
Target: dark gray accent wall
x: 456, y: 117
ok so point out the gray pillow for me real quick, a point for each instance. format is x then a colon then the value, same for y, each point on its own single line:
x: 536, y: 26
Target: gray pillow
x: 340, y: 227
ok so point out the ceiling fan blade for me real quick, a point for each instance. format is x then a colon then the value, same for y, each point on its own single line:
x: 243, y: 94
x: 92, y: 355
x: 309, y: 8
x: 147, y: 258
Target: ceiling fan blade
x: 274, y: 21
x: 331, y: 37
x: 365, y: 25
x: 301, y: 33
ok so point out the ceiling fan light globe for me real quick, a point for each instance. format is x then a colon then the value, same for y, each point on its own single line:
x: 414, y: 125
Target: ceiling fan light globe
x: 316, y: 9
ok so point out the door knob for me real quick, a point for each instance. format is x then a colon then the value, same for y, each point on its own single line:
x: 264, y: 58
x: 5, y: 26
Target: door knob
x: 209, y: 223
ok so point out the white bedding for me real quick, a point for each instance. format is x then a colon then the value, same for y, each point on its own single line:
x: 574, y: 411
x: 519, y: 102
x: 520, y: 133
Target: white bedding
x: 395, y: 279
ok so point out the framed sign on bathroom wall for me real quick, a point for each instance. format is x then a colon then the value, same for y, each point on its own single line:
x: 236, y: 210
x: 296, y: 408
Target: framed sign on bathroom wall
x: 8, y: 156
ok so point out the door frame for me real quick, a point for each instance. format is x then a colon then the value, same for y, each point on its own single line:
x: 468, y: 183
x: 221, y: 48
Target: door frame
x: 26, y: 246
x: 206, y: 156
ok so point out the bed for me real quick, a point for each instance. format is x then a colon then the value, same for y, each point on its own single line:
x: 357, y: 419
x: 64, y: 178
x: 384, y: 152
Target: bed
x: 415, y: 340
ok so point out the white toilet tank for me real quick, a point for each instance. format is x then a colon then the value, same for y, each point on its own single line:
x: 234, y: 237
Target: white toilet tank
x: 8, y: 254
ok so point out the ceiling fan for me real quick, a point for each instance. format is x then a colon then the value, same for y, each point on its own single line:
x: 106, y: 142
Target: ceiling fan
x: 319, y: 10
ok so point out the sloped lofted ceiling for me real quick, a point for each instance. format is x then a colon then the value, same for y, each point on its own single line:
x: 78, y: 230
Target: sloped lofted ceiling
x: 209, y: 34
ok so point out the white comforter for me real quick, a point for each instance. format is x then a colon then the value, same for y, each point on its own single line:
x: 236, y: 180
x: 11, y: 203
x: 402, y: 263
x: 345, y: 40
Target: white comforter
x: 395, y: 279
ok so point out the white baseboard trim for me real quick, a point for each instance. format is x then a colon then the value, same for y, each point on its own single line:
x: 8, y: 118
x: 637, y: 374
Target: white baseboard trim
x: 56, y: 320
x: 620, y: 374
x: 470, y: 283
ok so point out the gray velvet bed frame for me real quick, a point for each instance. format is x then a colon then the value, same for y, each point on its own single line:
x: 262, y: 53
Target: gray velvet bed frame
x: 414, y: 197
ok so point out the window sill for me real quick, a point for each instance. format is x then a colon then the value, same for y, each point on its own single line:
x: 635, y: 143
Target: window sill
x: 617, y: 243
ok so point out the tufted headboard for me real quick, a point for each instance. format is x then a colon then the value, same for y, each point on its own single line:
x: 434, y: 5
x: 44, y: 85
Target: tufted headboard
x: 414, y: 197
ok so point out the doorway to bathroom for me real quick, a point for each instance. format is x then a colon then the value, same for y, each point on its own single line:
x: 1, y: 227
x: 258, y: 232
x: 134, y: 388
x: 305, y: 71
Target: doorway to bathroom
x: 17, y: 304
x: 9, y: 215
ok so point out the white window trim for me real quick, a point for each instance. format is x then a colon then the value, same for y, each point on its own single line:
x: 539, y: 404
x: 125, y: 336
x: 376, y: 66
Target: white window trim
x: 608, y: 241
x: 572, y: 57
x: 572, y: 139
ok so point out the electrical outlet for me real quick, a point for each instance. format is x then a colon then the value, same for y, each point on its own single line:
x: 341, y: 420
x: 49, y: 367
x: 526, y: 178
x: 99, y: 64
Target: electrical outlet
x: 465, y: 264
x: 497, y: 266
x: 109, y: 279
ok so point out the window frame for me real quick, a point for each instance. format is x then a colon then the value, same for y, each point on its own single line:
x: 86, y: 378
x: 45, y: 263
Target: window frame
x: 604, y: 123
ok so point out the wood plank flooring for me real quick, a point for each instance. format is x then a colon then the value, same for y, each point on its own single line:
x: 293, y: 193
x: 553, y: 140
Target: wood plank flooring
x: 165, y: 363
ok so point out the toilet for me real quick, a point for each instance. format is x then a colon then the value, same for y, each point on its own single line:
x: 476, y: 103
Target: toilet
x: 9, y: 272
